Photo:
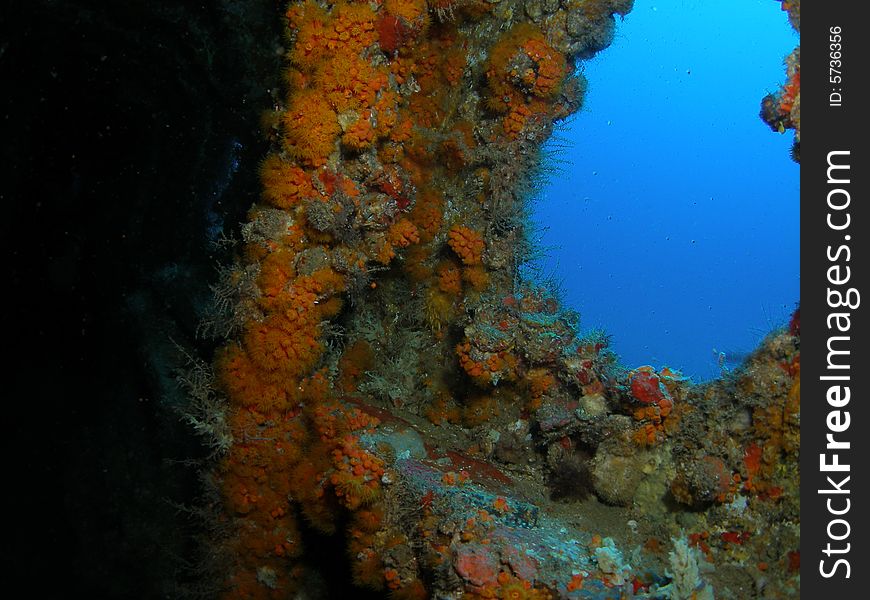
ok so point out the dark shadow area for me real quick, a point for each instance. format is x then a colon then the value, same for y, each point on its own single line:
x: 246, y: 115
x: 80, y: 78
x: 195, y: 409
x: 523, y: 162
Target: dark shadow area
x: 129, y: 139
x: 326, y: 557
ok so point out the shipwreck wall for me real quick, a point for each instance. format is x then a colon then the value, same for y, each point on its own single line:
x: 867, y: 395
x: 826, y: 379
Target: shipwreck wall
x: 391, y: 390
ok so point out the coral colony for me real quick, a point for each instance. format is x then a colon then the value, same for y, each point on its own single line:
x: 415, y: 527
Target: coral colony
x: 391, y: 387
x: 782, y: 110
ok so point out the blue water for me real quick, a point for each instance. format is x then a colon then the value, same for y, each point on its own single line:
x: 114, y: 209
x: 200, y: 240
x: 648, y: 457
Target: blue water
x: 674, y: 223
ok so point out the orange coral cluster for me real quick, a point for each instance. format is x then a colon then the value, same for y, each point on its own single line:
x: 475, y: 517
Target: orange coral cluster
x: 524, y: 74
x: 466, y: 243
x: 478, y: 563
x: 357, y: 475
x: 777, y: 434
x: 653, y: 423
x: 790, y: 91
x: 340, y: 98
x: 372, y: 149
x: 377, y: 169
x: 655, y: 414
x: 284, y: 184
x: 486, y: 368
x: 539, y: 382
x: 401, y: 234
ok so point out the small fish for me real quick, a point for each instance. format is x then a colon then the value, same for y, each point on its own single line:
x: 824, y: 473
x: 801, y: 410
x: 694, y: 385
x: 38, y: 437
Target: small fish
x: 728, y: 360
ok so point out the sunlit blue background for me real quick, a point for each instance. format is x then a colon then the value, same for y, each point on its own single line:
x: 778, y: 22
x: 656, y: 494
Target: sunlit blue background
x: 674, y: 223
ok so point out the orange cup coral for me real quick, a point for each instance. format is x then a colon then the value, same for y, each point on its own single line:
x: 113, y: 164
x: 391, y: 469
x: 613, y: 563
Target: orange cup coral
x: 467, y: 243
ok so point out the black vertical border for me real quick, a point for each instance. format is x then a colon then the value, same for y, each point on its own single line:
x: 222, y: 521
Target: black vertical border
x: 827, y: 129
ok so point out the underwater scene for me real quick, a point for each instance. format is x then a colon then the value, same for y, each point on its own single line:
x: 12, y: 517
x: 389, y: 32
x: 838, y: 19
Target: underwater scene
x: 413, y: 299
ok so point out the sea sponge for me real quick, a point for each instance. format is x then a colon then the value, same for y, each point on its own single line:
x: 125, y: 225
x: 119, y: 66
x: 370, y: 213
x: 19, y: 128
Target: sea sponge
x: 333, y: 182
x: 467, y: 243
x: 701, y: 482
x: 401, y: 22
x: 617, y: 472
x: 790, y: 93
x: 646, y: 386
x: 310, y: 128
x: 687, y: 564
x: 393, y: 33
